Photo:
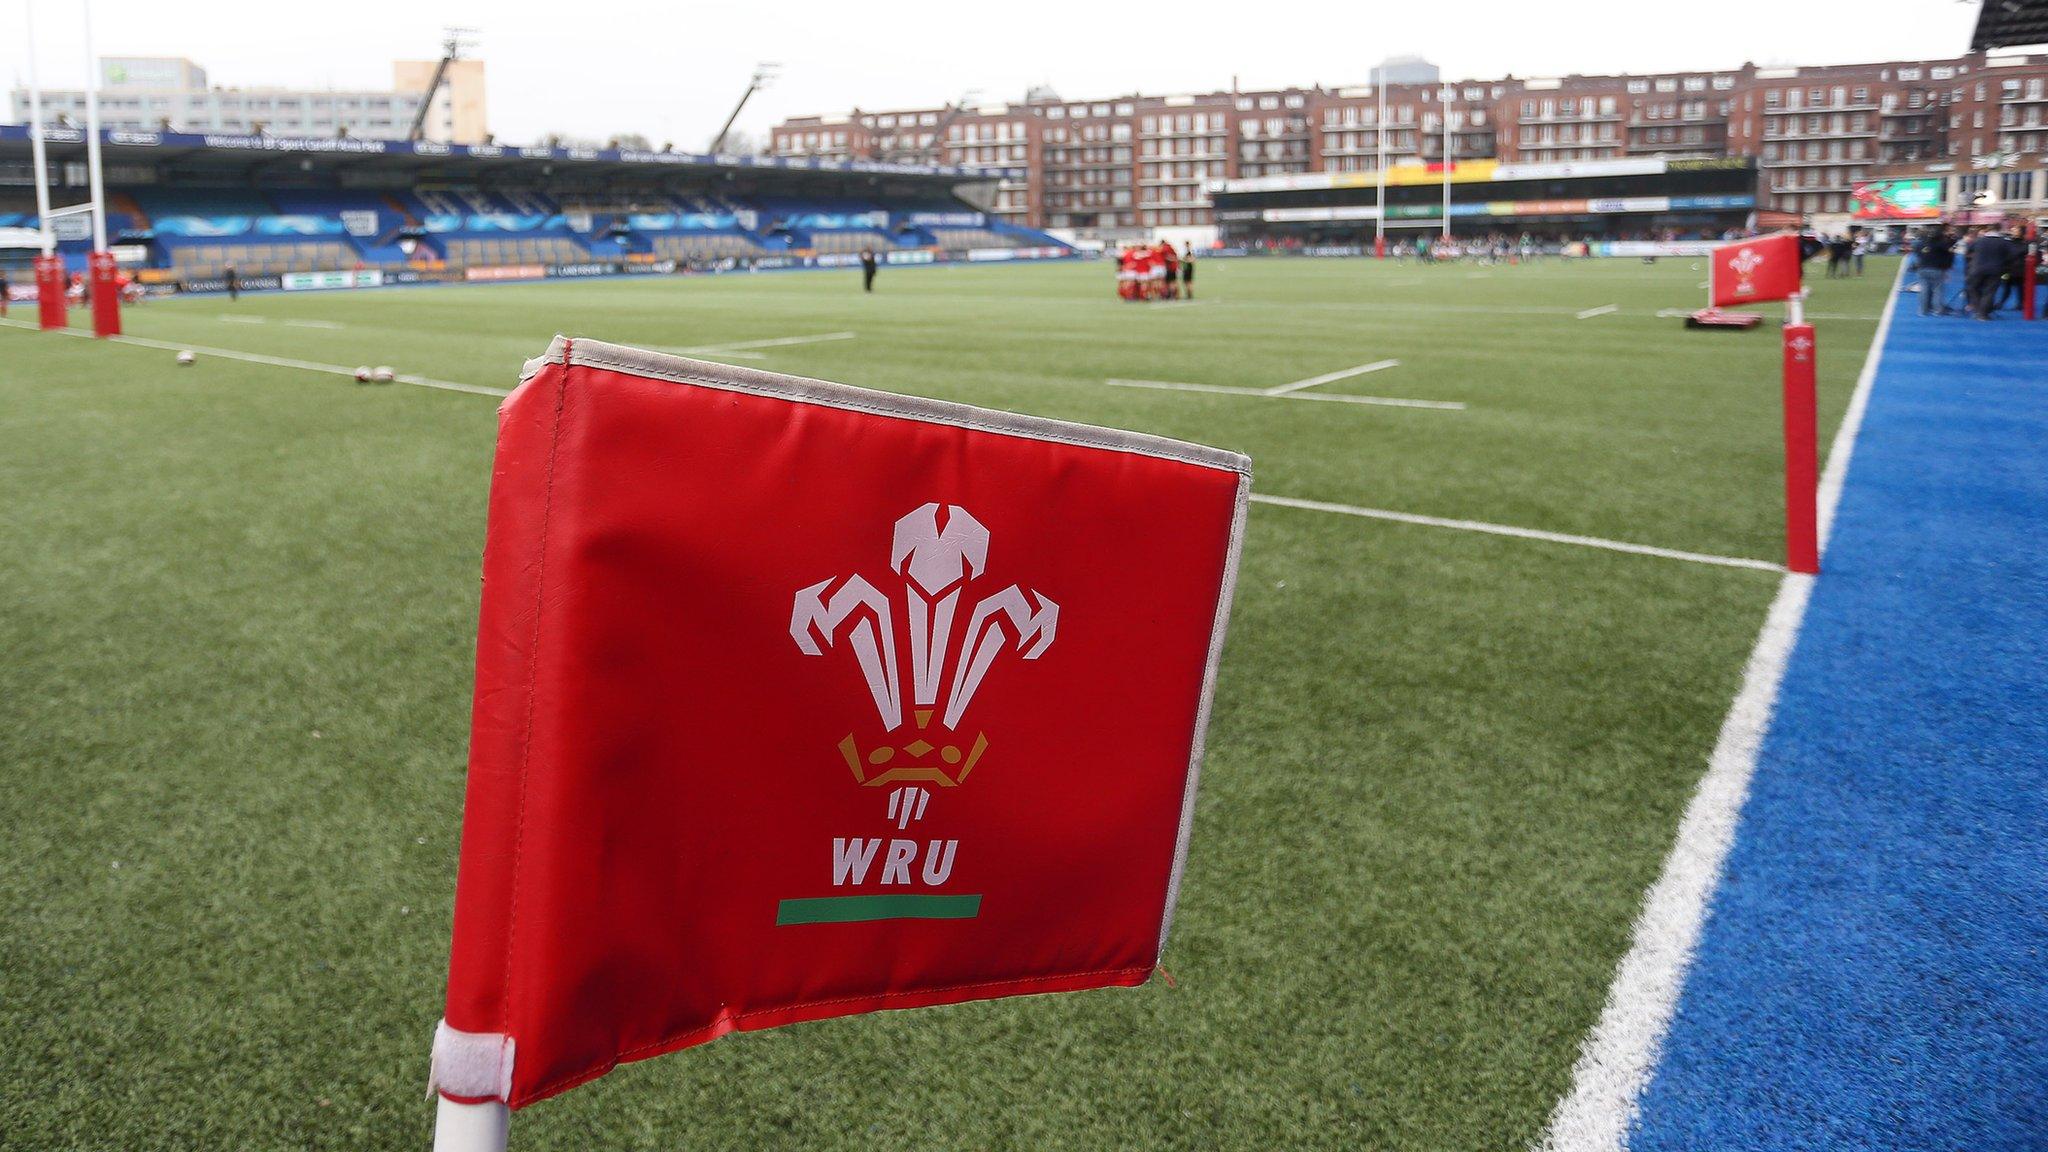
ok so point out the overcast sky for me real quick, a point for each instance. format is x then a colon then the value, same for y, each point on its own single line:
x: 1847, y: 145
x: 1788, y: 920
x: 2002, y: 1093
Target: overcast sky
x: 671, y: 70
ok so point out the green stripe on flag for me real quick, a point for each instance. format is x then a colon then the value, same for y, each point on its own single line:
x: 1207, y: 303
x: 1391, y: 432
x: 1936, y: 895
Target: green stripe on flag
x: 854, y: 909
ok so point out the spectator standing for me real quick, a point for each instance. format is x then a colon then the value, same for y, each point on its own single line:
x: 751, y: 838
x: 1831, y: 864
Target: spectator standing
x: 1935, y: 255
x: 1984, y: 270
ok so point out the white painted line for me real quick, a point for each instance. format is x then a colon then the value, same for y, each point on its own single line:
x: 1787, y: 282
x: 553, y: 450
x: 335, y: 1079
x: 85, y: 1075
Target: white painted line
x: 1520, y: 533
x: 311, y: 324
x: 273, y: 361
x: 1328, y: 377
x: 1263, y: 394
x: 775, y: 342
x: 1620, y: 1054
x: 1602, y: 310
x: 226, y: 319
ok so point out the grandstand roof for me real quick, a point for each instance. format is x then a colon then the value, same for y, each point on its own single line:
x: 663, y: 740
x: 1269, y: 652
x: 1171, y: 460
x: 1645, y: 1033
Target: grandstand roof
x: 241, y: 157
x: 2005, y: 23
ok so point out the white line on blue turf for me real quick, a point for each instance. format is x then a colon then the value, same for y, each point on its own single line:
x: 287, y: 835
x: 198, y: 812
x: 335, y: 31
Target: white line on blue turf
x: 1602, y: 310
x: 274, y: 361
x: 1520, y: 533
x: 1620, y: 1054
x: 1329, y: 377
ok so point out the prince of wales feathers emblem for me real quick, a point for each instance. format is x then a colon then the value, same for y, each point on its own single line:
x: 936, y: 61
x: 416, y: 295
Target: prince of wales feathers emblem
x: 937, y: 555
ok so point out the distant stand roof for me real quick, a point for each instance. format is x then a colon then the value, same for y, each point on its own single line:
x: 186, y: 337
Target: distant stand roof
x: 2006, y: 23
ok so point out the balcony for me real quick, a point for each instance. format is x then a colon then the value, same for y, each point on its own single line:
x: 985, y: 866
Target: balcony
x: 1836, y: 162
x: 1821, y: 135
x: 1584, y: 118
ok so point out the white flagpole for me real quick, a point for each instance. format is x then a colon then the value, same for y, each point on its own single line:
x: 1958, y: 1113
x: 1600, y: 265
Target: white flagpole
x: 35, y: 138
x: 92, y: 135
x: 470, y: 1127
x: 1380, y: 230
x: 1447, y: 161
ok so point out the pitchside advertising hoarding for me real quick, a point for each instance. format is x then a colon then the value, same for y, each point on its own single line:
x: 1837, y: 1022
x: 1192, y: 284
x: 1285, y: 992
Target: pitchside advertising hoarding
x: 1918, y: 198
x: 795, y: 700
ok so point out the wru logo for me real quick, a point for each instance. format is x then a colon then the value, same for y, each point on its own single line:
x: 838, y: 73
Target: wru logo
x: 937, y: 555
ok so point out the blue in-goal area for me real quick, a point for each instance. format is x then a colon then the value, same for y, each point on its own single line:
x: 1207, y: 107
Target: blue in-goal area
x: 1873, y: 972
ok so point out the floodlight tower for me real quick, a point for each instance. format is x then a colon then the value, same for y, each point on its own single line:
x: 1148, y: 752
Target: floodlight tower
x: 457, y: 41
x: 764, y: 75
x: 937, y: 148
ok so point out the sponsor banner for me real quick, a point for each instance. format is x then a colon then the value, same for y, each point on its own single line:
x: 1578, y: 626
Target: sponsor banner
x: 1653, y: 248
x: 421, y: 276
x: 1910, y: 199
x: 837, y: 221
x: 242, y: 283
x: 20, y: 238
x: 946, y: 687
x: 1462, y: 172
x: 360, y: 222
x: 506, y: 272
x: 299, y: 226
x: 307, y: 281
x: 988, y: 254
x: 649, y: 268
x: 201, y: 227
x: 921, y: 256
x: 1506, y: 208
x: 585, y: 269
x: 945, y: 219
x: 1317, y: 215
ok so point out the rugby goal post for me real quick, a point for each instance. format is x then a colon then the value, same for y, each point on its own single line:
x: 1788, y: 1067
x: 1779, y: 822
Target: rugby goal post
x: 102, y: 275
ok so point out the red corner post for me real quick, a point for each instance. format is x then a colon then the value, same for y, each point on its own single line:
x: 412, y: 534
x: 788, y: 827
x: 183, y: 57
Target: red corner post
x: 106, y: 295
x: 50, y: 291
x: 2030, y: 275
x: 1802, y: 449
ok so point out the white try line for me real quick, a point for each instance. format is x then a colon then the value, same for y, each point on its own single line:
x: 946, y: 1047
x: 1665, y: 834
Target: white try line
x: 1519, y: 533
x: 327, y: 324
x: 1602, y: 310
x: 1620, y: 1054
x: 227, y: 319
x: 1329, y: 377
x: 274, y: 361
x: 1264, y: 394
x: 743, y: 349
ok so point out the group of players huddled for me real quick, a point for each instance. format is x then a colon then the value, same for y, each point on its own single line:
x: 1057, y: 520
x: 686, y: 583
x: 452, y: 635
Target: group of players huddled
x: 1155, y: 272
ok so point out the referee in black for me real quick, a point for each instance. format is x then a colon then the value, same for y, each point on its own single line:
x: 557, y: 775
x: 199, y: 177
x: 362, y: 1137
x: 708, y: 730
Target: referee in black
x: 1187, y: 271
x: 867, y: 269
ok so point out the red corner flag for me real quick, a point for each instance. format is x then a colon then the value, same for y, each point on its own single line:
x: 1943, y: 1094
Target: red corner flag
x: 795, y: 700
x: 1751, y: 271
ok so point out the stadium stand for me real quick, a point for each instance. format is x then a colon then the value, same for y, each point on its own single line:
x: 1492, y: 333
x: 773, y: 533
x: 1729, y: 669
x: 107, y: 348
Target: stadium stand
x: 422, y: 216
x: 962, y: 239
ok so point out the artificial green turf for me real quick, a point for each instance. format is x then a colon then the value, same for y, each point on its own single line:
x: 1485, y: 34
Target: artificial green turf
x: 234, y: 668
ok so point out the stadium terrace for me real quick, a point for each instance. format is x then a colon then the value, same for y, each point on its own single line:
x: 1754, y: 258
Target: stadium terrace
x: 308, y: 212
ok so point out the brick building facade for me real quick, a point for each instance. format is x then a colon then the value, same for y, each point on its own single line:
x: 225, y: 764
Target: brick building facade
x: 1140, y: 162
